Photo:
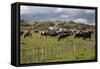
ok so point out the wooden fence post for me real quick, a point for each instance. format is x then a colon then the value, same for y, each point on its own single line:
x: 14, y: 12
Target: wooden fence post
x: 28, y: 55
x: 74, y: 48
x: 43, y: 54
x: 56, y: 51
x: 23, y: 59
x: 51, y: 52
x: 38, y: 55
x: 34, y: 54
x: 46, y: 53
x: 64, y: 50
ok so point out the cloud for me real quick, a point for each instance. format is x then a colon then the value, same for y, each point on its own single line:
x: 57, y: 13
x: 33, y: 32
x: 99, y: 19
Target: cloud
x: 36, y: 10
x: 24, y: 9
x: 90, y: 11
x: 52, y: 13
x: 59, y: 10
x: 80, y: 20
x: 63, y: 16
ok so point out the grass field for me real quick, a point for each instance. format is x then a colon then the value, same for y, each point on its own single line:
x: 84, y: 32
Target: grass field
x: 42, y: 49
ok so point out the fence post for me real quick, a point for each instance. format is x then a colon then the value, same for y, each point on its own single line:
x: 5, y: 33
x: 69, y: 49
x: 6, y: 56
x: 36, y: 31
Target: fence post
x: 60, y: 51
x: 46, y: 54
x: 29, y: 55
x: 38, y: 55
x: 43, y: 54
x: 77, y: 48
x: 23, y: 56
x: 64, y: 50
x: 74, y: 48
x: 34, y: 55
x: 51, y: 52
x: 55, y: 51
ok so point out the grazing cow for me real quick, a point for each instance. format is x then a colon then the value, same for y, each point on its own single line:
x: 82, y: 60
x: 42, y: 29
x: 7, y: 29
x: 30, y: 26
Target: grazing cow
x: 44, y: 33
x: 91, y: 31
x: 48, y: 33
x: 70, y: 32
x: 52, y: 34
x: 83, y: 35
x: 63, y: 35
x: 28, y: 34
x: 74, y: 31
x: 21, y: 33
x: 87, y: 35
x: 78, y: 35
x: 36, y: 31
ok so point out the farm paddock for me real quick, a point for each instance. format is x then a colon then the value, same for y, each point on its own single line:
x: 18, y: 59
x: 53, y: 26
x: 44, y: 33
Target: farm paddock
x: 42, y: 49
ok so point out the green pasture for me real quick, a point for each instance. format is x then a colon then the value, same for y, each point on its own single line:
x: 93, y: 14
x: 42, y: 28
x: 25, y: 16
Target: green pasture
x: 42, y: 49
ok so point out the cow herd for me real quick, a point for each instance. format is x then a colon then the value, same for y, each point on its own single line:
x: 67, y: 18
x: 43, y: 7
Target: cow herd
x: 60, y: 34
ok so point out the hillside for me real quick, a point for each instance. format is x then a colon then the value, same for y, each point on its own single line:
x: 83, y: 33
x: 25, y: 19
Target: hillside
x: 43, y: 25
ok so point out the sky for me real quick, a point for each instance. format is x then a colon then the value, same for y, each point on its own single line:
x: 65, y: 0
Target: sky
x: 55, y: 13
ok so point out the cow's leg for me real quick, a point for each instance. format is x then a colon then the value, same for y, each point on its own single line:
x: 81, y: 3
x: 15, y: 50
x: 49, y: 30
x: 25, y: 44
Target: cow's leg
x: 58, y: 40
x: 90, y: 37
x: 74, y: 37
x: 24, y: 36
x: 84, y: 38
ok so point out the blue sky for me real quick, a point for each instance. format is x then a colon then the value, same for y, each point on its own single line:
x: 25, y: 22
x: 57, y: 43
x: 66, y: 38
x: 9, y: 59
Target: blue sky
x: 55, y: 13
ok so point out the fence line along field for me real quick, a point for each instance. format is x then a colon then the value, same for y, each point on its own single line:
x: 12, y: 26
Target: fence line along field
x: 55, y: 41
